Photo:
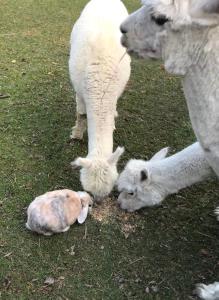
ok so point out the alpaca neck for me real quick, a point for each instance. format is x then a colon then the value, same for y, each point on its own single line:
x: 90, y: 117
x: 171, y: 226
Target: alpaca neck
x: 201, y: 89
x: 100, y: 135
x: 193, y: 53
x: 178, y: 171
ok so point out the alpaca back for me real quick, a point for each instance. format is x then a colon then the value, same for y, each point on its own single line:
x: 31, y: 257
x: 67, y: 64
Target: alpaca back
x: 107, y: 13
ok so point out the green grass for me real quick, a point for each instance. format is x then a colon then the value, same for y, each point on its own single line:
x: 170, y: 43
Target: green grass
x: 170, y: 247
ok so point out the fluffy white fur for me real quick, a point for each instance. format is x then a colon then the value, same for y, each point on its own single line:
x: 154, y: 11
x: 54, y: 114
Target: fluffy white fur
x: 99, y: 70
x: 208, y: 292
x: 188, y: 42
x: 148, y: 183
x: 185, y: 34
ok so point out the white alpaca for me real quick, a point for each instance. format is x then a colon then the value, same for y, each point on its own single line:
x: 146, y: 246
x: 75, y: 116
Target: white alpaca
x: 99, y: 70
x: 185, y: 34
x: 148, y: 183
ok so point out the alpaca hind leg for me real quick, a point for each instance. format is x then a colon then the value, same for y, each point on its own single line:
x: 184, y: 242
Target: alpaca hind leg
x: 208, y: 292
x: 81, y: 120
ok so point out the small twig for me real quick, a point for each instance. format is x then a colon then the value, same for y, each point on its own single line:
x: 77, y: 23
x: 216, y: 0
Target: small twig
x: 8, y: 254
x: 7, y: 34
x: 4, y: 96
x: 85, y: 233
x: 121, y: 262
x: 134, y: 261
x: 204, y: 234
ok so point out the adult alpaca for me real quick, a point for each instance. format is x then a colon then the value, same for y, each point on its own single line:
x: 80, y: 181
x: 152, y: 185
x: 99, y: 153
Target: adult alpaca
x: 99, y: 69
x: 185, y: 34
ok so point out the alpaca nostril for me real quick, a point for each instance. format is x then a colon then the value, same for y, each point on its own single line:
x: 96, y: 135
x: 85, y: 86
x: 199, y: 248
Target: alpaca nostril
x: 123, y: 29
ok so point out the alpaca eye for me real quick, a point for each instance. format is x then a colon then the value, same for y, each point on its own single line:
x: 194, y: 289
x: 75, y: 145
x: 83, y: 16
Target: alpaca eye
x: 131, y: 193
x: 159, y: 20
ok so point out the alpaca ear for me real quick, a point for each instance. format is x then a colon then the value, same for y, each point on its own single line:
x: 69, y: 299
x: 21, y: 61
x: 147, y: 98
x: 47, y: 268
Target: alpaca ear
x: 115, y: 156
x: 207, y: 6
x: 83, y: 214
x: 144, y: 175
x: 160, y: 154
x: 81, y: 162
x: 186, y: 12
x: 205, y: 12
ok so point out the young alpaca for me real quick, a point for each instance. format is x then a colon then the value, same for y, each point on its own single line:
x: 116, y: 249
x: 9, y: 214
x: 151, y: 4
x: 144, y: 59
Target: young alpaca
x: 148, y: 183
x: 99, y: 70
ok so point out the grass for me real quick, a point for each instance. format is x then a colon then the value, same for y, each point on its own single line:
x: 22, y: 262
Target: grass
x: 157, y: 253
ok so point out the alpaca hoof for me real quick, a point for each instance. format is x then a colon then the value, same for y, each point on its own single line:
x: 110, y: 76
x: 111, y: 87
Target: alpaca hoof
x: 76, y: 135
x: 74, y: 166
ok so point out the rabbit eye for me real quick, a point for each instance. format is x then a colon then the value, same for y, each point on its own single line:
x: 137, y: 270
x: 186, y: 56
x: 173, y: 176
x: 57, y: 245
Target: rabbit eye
x: 159, y: 20
x: 131, y: 193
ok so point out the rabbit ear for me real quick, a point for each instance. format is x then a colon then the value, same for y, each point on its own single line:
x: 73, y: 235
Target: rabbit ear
x: 83, y: 214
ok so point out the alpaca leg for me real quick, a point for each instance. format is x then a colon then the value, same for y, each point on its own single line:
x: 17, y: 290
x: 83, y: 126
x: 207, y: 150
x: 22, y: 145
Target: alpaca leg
x: 81, y: 120
x: 210, y: 291
x: 80, y: 127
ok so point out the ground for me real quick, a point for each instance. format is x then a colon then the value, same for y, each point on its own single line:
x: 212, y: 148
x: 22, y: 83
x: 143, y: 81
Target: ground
x: 157, y: 253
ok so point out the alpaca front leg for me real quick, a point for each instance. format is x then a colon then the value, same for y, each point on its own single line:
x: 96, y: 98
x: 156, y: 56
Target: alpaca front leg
x: 210, y: 291
x: 80, y: 127
x: 81, y: 120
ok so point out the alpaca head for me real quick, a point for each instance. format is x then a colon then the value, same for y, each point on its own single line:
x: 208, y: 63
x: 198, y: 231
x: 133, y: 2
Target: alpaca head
x: 98, y: 175
x: 138, y: 183
x: 159, y: 22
